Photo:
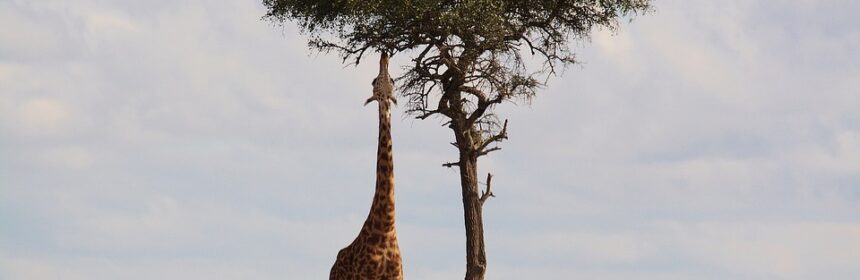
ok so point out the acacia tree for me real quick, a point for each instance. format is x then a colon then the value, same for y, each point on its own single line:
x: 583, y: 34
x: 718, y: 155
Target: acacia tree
x: 467, y: 56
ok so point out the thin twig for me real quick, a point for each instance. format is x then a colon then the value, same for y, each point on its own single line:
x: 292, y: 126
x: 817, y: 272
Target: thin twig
x: 488, y: 192
x: 502, y: 135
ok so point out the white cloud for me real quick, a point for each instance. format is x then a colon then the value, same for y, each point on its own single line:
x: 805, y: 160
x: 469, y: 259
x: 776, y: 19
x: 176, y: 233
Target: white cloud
x: 783, y: 251
x: 42, y: 115
x: 843, y: 156
x: 28, y: 34
x: 661, y: 250
x: 189, y: 140
x: 67, y: 157
x: 80, y: 268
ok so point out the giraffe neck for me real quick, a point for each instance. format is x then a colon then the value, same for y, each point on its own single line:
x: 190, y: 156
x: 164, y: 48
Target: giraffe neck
x: 381, y: 217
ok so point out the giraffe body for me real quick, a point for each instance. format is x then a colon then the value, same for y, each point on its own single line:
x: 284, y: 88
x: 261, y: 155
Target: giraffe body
x: 374, y: 254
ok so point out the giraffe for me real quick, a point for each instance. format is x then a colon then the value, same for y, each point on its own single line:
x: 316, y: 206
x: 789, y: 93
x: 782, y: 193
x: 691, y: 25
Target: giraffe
x: 374, y: 254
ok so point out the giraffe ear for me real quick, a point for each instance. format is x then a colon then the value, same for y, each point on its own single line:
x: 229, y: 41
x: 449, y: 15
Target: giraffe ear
x: 374, y: 81
x: 371, y: 99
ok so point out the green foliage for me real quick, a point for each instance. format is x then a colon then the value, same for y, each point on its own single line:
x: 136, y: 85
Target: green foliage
x: 492, y: 24
x: 468, y: 52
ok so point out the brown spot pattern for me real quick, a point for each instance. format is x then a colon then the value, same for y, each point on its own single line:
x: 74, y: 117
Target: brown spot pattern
x: 374, y: 254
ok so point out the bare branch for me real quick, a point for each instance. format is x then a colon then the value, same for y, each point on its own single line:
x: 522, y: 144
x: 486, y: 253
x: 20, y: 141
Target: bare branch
x: 474, y: 91
x: 447, y: 58
x: 486, y: 194
x: 483, y: 103
x: 427, y: 113
x: 420, y: 66
x: 502, y: 135
x: 487, y: 151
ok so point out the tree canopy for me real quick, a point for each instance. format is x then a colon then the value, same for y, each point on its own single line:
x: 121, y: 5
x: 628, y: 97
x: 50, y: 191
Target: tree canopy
x: 471, y: 46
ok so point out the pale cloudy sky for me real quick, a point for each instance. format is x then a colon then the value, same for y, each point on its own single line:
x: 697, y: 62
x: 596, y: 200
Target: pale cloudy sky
x: 190, y: 140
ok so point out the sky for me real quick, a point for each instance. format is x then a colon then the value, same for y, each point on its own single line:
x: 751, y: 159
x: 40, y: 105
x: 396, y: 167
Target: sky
x: 193, y: 140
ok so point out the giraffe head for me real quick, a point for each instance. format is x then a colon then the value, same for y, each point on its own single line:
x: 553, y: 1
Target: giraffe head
x: 383, y: 85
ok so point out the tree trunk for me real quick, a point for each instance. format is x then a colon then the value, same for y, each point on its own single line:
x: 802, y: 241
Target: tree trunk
x: 476, y: 260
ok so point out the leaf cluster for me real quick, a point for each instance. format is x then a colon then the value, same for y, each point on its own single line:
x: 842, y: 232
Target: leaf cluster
x: 468, y: 53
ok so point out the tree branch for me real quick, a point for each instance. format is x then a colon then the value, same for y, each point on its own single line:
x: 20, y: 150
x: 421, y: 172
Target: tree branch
x: 487, y: 151
x: 483, y: 103
x: 502, y: 135
x: 427, y: 113
x: 486, y: 194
